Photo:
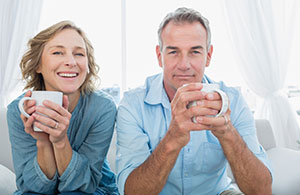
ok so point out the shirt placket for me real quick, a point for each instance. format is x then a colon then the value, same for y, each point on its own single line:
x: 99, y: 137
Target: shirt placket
x: 187, y: 164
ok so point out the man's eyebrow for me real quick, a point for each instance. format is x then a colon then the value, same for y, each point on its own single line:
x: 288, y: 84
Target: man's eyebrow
x: 171, y: 47
x: 197, y: 47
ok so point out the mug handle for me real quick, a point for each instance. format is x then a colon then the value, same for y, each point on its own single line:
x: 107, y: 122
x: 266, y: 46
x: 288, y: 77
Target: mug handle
x: 224, y: 98
x: 21, y: 104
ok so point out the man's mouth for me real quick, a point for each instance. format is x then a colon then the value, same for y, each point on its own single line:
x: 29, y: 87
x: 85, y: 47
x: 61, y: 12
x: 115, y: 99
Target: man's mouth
x: 184, y: 76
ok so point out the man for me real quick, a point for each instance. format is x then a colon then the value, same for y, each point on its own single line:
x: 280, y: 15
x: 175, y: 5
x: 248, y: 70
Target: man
x: 160, y: 150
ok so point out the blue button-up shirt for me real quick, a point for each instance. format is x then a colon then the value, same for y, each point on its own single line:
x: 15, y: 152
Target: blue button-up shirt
x: 90, y: 131
x: 143, y: 118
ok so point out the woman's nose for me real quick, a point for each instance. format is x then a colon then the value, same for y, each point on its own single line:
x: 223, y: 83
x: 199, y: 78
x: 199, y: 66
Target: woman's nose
x: 70, y: 60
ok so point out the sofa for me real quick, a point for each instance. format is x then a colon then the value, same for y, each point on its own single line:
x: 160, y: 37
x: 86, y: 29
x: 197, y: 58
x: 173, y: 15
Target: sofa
x: 285, y: 162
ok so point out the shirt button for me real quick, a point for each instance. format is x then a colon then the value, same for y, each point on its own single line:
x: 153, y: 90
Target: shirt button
x: 186, y: 174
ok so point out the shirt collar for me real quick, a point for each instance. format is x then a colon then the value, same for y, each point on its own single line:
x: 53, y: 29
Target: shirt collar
x: 156, y: 93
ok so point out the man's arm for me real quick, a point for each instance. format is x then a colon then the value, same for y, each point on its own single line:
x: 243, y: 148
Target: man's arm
x: 151, y: 176
x: 251, y: 175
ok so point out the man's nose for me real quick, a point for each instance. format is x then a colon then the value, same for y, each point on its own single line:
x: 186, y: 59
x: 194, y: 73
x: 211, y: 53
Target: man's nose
x: 184, y: 63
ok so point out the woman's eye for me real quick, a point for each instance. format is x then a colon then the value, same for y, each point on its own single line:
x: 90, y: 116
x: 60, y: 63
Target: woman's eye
x: 57, y: 53
x: 79, y: 54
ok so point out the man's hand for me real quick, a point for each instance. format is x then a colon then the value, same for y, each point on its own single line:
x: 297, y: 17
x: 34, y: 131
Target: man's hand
x: 181, y: 123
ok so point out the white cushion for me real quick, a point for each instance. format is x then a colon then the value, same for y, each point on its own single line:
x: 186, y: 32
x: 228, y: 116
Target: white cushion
x: 7, y: 181
x: 286, y: 171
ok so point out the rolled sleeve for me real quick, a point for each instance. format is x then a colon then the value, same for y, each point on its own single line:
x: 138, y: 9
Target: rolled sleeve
x: 71, y: 168
x: 258, y: 151
x: 132, y: 143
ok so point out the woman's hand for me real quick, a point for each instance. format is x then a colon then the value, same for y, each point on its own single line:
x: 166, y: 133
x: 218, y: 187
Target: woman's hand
x: 57, y: 121
x: 29, y: 107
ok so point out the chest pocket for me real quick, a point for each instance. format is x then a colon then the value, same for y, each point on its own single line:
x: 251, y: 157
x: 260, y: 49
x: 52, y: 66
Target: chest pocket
x: 212, y: 158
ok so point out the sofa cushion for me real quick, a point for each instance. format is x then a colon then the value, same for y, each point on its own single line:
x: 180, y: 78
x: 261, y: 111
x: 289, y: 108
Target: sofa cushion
x: 286, y: 170
x: 7, y: 181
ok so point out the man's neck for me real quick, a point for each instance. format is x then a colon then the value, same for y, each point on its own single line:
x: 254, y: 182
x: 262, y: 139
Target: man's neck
x: 170, y: 92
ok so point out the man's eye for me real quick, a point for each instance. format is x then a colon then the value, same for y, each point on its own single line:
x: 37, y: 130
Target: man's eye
x: 195, y: 52
x: 57, y: 53
x: 172, y: 52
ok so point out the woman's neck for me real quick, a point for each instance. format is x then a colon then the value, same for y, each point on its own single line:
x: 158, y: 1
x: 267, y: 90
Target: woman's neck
x: 73, y: 100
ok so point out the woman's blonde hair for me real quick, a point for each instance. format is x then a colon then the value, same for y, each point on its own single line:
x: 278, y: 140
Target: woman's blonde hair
x: 32, y: 58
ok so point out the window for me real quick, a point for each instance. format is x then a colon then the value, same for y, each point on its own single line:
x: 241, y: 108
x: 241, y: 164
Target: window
x: 103, y: 22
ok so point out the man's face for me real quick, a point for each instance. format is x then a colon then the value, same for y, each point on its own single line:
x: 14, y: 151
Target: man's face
x: 183, y: 55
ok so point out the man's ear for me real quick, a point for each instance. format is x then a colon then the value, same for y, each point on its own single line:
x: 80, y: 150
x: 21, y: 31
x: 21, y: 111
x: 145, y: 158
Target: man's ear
x: 209, y: 54
x: 158, y: 55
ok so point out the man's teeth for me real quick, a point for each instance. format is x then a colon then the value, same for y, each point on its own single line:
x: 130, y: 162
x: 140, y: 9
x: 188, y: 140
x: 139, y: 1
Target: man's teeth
x: 67, y: 74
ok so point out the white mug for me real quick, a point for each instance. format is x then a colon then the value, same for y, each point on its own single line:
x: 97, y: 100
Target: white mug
x: 39, y: 97
x: 213, y: 88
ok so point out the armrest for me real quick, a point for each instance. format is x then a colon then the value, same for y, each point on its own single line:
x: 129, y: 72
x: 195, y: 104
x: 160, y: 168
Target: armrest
x: 7, y: 181
x: 286, y: 170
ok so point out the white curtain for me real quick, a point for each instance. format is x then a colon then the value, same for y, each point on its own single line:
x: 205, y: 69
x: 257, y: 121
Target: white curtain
x: 18, y: 22
x: 261, y: 34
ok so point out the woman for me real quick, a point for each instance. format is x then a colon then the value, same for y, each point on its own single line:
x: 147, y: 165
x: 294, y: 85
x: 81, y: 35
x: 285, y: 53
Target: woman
x: 69, y: 156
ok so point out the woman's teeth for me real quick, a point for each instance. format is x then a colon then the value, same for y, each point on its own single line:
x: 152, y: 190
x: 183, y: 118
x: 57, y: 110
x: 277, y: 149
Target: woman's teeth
x: 67, y: 74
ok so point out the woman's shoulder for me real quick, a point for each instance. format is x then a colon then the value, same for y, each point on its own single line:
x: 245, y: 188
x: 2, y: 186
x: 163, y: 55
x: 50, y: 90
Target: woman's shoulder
x: 101, y: 99
x: 13, y: 106
x: 101, y: 96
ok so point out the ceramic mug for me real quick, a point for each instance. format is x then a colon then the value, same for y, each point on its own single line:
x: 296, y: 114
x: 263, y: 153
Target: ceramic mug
x: 39, y: 97
x: 213, y: 88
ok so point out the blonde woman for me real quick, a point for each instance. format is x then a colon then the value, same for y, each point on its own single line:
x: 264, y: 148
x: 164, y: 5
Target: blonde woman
x: 69, y: 156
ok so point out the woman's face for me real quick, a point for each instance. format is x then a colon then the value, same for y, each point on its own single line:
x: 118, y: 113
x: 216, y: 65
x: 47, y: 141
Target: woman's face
x: 64, y: 63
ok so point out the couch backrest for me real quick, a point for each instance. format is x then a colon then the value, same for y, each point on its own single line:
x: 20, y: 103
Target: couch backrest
x: 265, y: 134
x: 5, y: 147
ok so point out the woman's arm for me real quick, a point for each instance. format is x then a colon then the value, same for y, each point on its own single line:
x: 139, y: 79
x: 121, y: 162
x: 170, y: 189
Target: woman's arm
x: 84, y: 171
x: 30, y: 176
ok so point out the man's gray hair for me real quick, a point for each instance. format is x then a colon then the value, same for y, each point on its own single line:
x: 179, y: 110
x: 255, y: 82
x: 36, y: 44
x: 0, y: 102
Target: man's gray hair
x: 182, y: 15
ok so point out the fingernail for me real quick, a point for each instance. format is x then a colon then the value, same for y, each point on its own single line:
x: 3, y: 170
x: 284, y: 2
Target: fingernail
x: 203, y: 93
x: 210, y: 96
x: 200, y: 103
x: 198, y: 85
x: 199, y: 118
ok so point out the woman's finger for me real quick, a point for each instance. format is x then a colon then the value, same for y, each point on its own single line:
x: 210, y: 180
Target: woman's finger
x: 28, y: 125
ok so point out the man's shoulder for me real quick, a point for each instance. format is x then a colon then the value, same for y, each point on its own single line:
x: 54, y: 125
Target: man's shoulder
x: 135, y: 94
x: 139, y: 93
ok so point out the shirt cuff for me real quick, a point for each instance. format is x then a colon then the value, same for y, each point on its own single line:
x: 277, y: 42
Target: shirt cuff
x: 70, y: 168
x: 42, y: 175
